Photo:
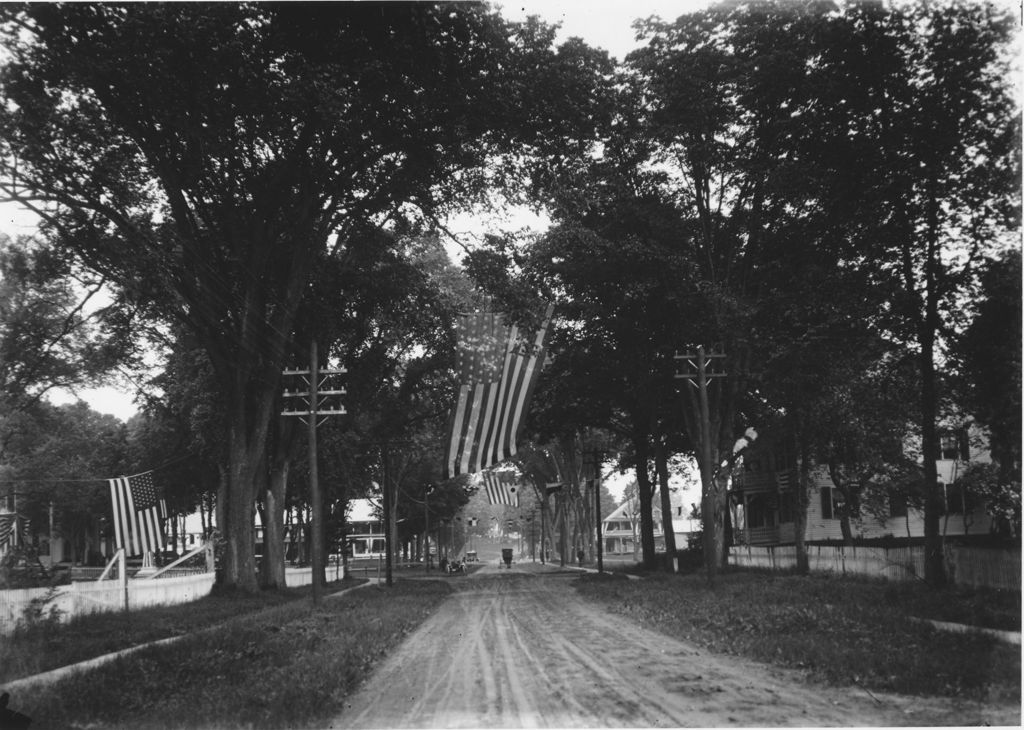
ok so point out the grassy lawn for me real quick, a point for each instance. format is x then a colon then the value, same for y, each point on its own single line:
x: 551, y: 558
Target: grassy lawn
x: 289, y: 665
x: 45, y: 646
x: 273, y: 660
x: 838, y: 631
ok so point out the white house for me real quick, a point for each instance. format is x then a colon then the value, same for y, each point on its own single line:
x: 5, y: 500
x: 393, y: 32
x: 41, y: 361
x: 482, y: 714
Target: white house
x: 762, y: 499
x: 620, y: 531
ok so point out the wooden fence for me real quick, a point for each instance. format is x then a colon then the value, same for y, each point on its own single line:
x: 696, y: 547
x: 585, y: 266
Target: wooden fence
x: 975, y: 567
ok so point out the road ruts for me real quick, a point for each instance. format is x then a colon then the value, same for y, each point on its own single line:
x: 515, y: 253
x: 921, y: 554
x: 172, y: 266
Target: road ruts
x: 513, y: 649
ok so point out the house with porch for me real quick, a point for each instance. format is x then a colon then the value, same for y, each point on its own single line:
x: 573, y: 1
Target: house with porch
x: 620, y: 531
x: 762, y: 497
x: 365, y: 528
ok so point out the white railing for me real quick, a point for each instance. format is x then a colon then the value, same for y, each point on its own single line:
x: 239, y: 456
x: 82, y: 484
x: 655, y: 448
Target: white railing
x: 81, y: 598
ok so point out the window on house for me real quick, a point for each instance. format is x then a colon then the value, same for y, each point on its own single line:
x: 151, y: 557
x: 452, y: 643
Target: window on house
x: 827, y: 504
x: 786, y: 507
x: 955, y: 499
x: 955, y: 445
x: 783, y: 457
x: 897, y: 504
x: 760, y: 511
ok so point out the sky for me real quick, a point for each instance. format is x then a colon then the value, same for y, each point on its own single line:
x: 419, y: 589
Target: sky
x: 602, y: 23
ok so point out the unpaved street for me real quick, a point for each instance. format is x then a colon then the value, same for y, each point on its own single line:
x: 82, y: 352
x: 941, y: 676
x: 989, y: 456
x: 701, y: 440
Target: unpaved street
x: 518, y: 648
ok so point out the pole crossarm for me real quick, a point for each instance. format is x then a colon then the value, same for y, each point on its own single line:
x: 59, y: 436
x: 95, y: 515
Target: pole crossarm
x: 699, y: 363
x: 317, y: 397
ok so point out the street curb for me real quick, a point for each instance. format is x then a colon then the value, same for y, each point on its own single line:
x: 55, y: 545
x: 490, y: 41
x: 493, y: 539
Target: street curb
x: 629, y: 576
x: 1010, y: 637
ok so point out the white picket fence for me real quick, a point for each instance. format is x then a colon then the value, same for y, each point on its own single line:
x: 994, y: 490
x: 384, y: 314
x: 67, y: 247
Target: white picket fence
x: 81, y: 598
x: 975, y: 567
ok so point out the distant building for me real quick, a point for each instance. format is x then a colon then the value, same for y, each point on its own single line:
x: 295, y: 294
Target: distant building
x: 620, y: 531
x: 365, y: 528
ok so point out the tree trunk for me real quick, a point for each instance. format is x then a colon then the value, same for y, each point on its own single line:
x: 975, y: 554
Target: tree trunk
x: 174, y: 533
x: 249, y: 418
x: 645, y: 493
x: 220, y: 522
x: 661, y: 467
x: 844, y: 527
x: 239, y: 568
x: 272, y: 568
x: 719, y: 555
x: 934, y: 560
x: 801, y: 499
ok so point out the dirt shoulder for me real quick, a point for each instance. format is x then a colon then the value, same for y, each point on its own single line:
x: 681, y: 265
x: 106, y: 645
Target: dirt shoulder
x: 519, y: 648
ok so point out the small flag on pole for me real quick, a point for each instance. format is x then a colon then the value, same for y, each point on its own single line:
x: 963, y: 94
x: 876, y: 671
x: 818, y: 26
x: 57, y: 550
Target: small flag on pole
x: 497, y: 375
x: 500, y: 488
x: 138, y: 514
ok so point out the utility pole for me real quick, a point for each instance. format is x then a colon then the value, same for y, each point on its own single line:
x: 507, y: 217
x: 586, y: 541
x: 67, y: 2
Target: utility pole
x: 543, y: 531
x: 317, y: 405
x: 426, y: 528
x: 698, y: 377
x: 386, y: 494
x: 533, y: 541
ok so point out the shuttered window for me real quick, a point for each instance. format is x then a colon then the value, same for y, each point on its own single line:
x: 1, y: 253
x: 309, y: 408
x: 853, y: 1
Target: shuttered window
x: 826, y: 503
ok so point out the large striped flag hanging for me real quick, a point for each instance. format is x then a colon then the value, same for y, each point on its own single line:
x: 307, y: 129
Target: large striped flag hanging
x: 139, y: 512
x: 501, y: 488
x: 497, y: 375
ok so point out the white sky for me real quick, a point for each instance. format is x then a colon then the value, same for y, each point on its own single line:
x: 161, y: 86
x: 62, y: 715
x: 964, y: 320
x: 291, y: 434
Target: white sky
x: 602, y: 23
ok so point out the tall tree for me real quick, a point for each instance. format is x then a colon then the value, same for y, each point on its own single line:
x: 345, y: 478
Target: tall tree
x: 719, y: 93
x: 990, y: 355
x: 989, y: 358
x: 203, y: 155
x: 926, y: 142
x: 52, y: 335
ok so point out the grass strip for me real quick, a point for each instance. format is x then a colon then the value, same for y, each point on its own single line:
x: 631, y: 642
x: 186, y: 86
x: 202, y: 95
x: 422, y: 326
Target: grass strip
x: 838, y: 631
x: 288, y: 666
x: 46, y: 644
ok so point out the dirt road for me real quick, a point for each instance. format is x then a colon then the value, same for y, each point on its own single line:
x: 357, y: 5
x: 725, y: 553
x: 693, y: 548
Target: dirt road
x: 518, y: 648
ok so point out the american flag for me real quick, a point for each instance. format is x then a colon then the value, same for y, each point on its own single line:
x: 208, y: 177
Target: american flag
x: 501, y: 488
x: 139, y: 512
x: 496, y: 380
x: 8, y: 533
